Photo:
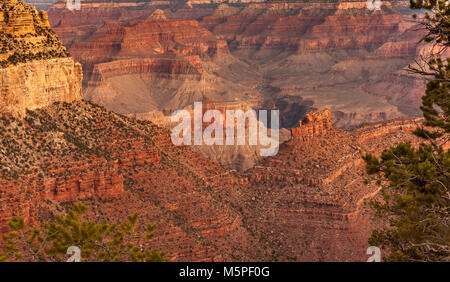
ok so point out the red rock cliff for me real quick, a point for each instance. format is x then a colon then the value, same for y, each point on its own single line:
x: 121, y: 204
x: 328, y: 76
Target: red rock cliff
x: 313, y: 124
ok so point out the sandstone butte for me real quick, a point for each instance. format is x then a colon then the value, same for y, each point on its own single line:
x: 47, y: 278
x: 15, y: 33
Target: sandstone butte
x: 305, y: 204
x: 35, y: 68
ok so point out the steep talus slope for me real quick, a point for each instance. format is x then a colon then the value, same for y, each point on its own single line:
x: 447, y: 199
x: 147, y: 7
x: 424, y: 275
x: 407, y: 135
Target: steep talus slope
x: 117, y: 165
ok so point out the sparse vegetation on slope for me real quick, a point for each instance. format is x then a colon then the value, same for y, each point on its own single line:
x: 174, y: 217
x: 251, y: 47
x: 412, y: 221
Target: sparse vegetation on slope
x: 96, y: 241
x: 77, y: 130
x: 25, y: 35
x: 415, y: 182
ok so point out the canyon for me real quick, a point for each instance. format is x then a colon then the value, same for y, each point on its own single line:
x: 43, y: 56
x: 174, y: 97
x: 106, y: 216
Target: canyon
x: 150, y: 58
x: 307, y: 203
x: 307, y: 54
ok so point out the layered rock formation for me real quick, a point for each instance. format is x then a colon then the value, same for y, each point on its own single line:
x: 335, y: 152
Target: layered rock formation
x: 26, y: 35
x: 317, y: 54
x: 39, y: 83
x: 35, y: 68
x: 314, y: 191
x: 78, y: 151
x: 305, y: 204
x: 157, y: 63
x: 337, y: 55
x: 313, y: 124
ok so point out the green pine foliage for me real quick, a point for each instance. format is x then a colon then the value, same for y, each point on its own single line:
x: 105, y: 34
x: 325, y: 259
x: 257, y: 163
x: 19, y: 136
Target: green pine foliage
x: 414, y: 182
x: 416, y: 202
x: 97, y: 241
x: 435, y: 102
x: 436, y: 20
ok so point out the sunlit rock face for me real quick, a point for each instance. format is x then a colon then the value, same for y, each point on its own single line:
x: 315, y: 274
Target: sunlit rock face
x: 35, y: 68
x: 38, y: 84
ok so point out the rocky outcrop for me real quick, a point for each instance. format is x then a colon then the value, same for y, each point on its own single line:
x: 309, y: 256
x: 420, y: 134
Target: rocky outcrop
x: 39, y: 83
x: 377, y: 131
x: 309, y: 200
x: 313, y: 124
x: 76, y: 151
x: 35, y: 68
x: 16, y: 18
x: 79, y: 181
